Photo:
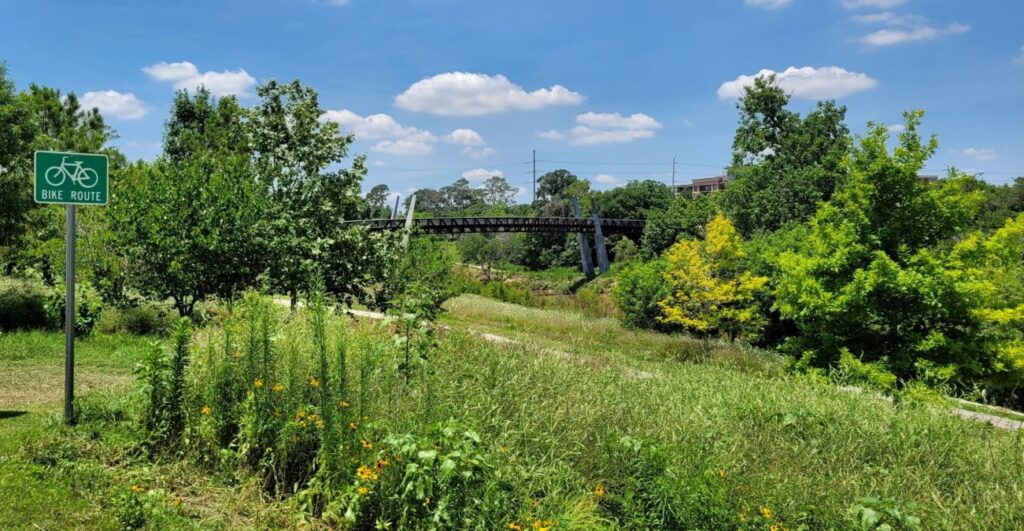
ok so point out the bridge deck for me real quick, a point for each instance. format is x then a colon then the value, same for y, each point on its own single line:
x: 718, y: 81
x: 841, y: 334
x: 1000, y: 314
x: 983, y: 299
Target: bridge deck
x: 631, y: 227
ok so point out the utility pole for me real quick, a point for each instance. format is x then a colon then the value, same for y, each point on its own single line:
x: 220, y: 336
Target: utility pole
x: 673, y: 175
x: 535, y: 176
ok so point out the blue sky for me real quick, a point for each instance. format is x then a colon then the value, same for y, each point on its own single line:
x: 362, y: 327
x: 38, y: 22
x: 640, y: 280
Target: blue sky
x: 611, y: 90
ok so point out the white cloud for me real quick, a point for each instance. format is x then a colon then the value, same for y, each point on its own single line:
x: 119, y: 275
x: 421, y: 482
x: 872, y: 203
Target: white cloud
x: 608, y: 120
x: 880, y: 4
x: 604, y: 128
x: 473, y: 145
x: 806, y: 83
x: 1019, y: 60
x: 551, y: 135
x: 896, y: 128
x: 481, y: 174
x: 421, y: 143
x: 185, y: 75
x: 470, y: 94
x: 888, y: 37
x: 478, y: 152
x: 394, y: 138
x: 465, y: 137
x: 604, y: 178
x: 768, y: 4
x: 891, y: 19
x: 980, y: 153
x: 113, y: 103
x: 370, y: 127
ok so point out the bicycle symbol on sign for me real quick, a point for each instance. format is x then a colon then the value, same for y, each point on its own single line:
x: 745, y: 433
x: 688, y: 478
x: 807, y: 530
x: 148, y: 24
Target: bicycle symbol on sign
x: 84, y: 177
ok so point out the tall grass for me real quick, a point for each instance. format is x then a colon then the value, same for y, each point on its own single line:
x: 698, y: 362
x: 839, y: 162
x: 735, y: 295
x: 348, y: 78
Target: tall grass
x: 518, y: 435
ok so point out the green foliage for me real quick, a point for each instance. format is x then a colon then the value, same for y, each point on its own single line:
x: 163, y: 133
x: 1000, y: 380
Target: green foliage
x: 685, y: 217
x: 643, y: 493
x: 424, y: 272
x: 443, y: 479
x: 711, y: 291
x: 635, y: 200
x: 783, y: 165
x: 144, y: 318
x: 867, y: 279
x: 638, y: 290
x: 194, y: 222
x: 23, y: 305
x: 624, y: 251
x: 88, y: 307
x: 883, y: 514
x: 163, y: 385
x: 852, y: 371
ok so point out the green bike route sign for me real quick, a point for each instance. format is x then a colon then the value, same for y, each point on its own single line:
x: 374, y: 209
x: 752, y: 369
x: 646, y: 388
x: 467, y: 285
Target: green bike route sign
x: 71, y: 178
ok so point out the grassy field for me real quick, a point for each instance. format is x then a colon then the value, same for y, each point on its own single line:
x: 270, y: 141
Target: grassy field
x: 735, y: 435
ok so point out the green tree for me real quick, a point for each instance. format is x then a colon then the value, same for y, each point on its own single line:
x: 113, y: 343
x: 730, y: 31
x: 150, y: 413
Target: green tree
x: 17, y: 133
x: 194, y: 222
x: 783, y: 165
x: 868, y: 279
x: 684, y: 217
x: 711, y: 292
x: 376, y: 201
x: 635, y: 200
x: 292, y: 149
x: 497, y: 192
x: 553, y: 184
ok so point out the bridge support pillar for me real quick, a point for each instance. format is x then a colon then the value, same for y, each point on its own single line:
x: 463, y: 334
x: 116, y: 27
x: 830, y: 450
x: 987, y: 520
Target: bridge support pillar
x: 602, y: 252
x: 408, y: 221
x: 588, y: 265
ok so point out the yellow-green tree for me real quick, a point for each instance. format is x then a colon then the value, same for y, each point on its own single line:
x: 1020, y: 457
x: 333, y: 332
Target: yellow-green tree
x: 711, y: 291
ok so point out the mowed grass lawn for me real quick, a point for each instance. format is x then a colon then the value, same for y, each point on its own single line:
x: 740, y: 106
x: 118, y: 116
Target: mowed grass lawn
x: 551, y: 402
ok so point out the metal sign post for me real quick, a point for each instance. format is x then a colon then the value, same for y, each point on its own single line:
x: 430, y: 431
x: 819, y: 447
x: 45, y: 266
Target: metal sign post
x: 70, y: 179
x: 69, y: 318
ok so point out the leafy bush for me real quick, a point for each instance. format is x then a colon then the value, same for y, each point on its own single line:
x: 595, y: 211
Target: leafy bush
x: 883, y: 514
x: 23, y: 305
x: 852, y: 371
x: 143, y: 319
x: 88, y: 307
x: 442, y: 480
x: 637, y: 292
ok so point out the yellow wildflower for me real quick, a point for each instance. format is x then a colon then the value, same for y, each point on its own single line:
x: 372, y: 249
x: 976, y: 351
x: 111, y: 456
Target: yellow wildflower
x: 206, y: 410
x: 776, y: 527
x: 353, y: 426
x: 381, y: 463
x: 277, y: 388
x: 363, y: 491
x: 313, y: 382
x: 137, y: 489
x: 767, y: 513
x: 299, y: 415
x: 364, y: 473
x: 343, y: 403
x: 721, y: 473
x: 515, y: 527
x: 599, y: 491
x: 177, y: 502
x: 258, y: 383
x: 367, y: 444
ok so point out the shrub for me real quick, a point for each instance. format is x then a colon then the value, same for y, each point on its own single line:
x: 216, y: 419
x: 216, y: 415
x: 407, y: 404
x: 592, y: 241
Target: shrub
x: 88, y: 307
x: 852, y: 371
x: 444, y: 480
x: 23, y: 304
x: 144, y: 319
x: 639, y: 289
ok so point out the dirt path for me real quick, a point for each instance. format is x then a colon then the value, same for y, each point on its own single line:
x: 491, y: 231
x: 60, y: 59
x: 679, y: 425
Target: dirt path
x: 27, y: 385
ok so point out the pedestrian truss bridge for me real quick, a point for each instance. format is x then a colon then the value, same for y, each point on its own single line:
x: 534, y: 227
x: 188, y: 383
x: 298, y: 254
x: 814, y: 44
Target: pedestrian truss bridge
x: 632, y: 228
